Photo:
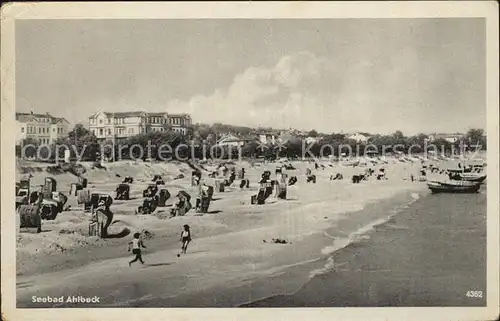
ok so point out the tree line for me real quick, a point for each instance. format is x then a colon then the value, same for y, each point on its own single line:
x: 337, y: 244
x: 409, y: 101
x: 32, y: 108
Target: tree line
x: 202, y: 141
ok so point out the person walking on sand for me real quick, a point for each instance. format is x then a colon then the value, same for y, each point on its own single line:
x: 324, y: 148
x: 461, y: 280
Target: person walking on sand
x: 185, y: 239
x: 136, y: 245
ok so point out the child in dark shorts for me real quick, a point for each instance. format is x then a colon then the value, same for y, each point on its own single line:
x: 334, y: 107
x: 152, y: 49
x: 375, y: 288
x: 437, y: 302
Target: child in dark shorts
x: 136, y: 245
x: 185, y: 239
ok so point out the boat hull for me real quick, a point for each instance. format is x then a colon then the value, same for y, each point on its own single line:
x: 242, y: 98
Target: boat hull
x: 459, y: 170
x: 436, y: 187
x: 477, y: 179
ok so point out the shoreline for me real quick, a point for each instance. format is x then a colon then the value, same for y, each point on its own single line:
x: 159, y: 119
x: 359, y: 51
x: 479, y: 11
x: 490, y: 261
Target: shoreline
x: 282, y: 279
x: 367, y: 273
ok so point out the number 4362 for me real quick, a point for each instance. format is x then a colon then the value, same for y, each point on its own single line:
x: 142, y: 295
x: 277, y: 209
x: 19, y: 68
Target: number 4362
x: 474, y: 294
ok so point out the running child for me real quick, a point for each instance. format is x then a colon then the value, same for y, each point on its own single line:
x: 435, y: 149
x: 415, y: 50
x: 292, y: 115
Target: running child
x: 185, y: 239
x: 136, y: 245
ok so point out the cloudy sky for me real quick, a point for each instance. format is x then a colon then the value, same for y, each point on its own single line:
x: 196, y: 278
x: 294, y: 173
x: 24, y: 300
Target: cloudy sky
x: 374, y: 75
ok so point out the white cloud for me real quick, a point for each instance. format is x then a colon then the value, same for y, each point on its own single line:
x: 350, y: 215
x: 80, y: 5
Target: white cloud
x: 291, y: 93
x: 375, y: 93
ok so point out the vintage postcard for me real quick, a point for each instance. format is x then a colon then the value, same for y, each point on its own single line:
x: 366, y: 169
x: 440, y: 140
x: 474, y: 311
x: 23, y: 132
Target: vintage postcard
x: 209, y: 161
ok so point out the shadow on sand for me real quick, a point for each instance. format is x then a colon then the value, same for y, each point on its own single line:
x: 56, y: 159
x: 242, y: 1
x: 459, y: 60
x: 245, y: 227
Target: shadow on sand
x: 157, y: 264
x: 122, y: 234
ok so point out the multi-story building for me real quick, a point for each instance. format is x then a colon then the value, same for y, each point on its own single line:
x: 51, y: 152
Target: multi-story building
x: 156, y: 122
x: 267, y: 137
x: 106, y: 125
x: 236, y: 140
x: 44, y: 128
x: 179, y: 122
x: 359, y: 137
x: 451, y: 138
x: 119, y: 125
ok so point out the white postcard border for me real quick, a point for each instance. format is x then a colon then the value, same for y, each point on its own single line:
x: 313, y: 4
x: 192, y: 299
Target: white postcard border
x: 243, y: 10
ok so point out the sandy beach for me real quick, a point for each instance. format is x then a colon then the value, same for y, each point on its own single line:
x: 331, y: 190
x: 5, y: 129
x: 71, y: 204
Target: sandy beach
x: 228, y: 248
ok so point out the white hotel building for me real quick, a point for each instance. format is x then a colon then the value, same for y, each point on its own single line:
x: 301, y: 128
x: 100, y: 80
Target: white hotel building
x: 44, y: 128
x: 126, y: 124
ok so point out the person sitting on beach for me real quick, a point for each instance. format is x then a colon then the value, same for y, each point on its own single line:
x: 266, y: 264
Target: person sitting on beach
x: 136, y: 245
x: 185, y: 239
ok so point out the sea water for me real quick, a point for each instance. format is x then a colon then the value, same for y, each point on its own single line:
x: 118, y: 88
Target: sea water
x: 425, y: 250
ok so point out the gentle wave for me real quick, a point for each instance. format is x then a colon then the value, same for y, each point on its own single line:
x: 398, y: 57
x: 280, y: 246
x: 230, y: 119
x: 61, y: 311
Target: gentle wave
x: 355, y: 237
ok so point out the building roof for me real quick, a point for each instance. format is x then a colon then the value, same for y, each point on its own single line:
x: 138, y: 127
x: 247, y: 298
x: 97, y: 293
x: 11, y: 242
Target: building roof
x: 230, y: 138
x: 27, y: 117
x: 249, y: 138
x: 266, y: 133
x: 157, y: 114
x: 60, y: 119
x: 124, y: 114
x: 179, y: 115
x: 24, y: 118
x: 443, y: 135
x: 236, y: 139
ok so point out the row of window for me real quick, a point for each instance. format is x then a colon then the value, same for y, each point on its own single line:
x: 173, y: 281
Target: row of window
x: 154, y: 129
x: 151, y: 120
x: 177, y: 121
x: 117, y: 121
x: 130, y: 131
x: 119, y: 131
x: 41, y: 130
x: 157, y: 120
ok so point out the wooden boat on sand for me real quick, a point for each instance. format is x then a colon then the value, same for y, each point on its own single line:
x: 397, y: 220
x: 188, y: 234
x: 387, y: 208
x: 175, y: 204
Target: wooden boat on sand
x: 459, y: 170
x: 454, y: 186
x: 472, y: 177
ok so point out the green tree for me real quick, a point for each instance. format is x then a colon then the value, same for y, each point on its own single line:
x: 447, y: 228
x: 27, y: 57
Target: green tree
x: 398, y: 138
x: 167, y: 127
x: 475, y: 137
x: 416, y: 143
x: 29, y: 147
x: 294, y: 147
x: 441, y: 146
x: 152, y: 144
x: 81, y: 142
x: 312, y: 133
x: 250, y: 149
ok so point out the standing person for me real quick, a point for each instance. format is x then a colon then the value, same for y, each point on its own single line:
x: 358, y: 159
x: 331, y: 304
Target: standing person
x: 136, y: 245
x: 185, y: 239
